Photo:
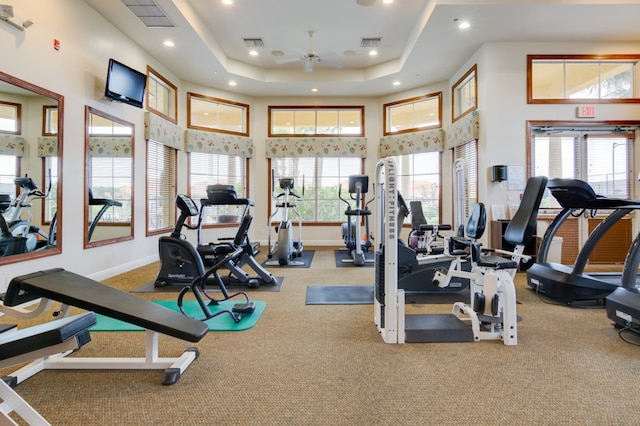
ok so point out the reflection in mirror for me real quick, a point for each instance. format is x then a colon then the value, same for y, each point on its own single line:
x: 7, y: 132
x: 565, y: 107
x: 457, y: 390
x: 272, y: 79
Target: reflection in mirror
x: 108, y: 210
x: 29, y: 170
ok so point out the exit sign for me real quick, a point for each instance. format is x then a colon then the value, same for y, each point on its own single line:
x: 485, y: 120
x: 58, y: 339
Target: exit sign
x: 586, y: 111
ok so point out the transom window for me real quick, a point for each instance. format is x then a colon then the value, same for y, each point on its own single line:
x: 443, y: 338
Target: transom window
x: 464, y: 94
x: 161, y: 96
x: 218, y: 115
x: 10, y: 114
x: 316, y: 121
x: 321, y: 178
x: 583, y: 78
x: 414, y: 114
x: 50, y: 120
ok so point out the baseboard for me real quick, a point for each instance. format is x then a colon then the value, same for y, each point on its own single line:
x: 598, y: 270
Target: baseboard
x: 122, y: 268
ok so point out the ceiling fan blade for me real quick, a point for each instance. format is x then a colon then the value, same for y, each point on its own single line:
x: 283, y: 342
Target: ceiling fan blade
x: 286, y: 60
x: 330, y: 64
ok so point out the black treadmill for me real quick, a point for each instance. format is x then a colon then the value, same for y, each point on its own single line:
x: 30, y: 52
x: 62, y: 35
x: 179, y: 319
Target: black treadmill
x: 571, y: 284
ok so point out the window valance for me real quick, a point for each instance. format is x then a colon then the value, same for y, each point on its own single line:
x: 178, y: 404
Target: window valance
x: 12, y: 145
x: 411, y: 143
x: 218, y: 143
x: 464, y: 130
x: 163, y: 131
x: 316, y: 147
x: 48, y: 146
x: 109, y: 146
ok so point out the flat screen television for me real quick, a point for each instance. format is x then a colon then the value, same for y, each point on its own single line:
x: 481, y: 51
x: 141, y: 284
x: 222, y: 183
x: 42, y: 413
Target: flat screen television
x: 124, y: 84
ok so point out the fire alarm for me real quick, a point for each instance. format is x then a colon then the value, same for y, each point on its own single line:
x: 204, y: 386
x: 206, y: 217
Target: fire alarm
x: 56, y: 44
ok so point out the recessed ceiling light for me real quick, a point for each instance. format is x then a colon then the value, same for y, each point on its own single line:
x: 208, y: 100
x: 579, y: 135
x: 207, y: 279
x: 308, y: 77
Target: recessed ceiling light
x: 349, y: 53
x: 464, y: 25
x: 168, y: 43
x: 232, y: 83
x: 314, y: 90
x: 373, y: 53
x: 277, y: 53
x: 396, y: 83
x: 228, y: 2
x: 253, y: 52
x: 387, y: 1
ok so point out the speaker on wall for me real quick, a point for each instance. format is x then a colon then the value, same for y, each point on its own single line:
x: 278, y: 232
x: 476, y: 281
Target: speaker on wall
x: 498, y: 173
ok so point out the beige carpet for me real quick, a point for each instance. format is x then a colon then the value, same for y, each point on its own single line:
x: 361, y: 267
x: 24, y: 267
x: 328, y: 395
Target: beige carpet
x: 327, y: 365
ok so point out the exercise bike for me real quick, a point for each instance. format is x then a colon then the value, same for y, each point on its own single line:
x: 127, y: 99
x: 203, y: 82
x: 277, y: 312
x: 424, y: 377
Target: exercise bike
x: 351, y: 231
x: 180, y: 263
x: 284, y: 247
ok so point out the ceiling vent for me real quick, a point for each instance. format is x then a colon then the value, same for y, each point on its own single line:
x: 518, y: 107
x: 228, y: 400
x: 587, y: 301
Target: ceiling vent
x: 253, y: 42
x: 370, y: 42
x: 149, y: 13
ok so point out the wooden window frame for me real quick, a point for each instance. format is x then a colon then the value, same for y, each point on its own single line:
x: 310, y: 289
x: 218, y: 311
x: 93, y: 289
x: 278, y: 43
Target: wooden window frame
x: 173, y: 90
x: 175, y: 186
x: 18, y: 108
x: 473, y: 71
x: 387, y: 106
x: 272, y: 108
x: 245, y: 132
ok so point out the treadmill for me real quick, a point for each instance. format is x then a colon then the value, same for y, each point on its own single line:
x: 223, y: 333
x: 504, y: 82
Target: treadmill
x: 571, y: 284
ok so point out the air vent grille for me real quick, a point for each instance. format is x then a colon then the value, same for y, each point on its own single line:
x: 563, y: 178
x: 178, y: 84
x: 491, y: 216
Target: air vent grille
x: 253, y: 42
x: 370, y: 42
x: 149, y: 13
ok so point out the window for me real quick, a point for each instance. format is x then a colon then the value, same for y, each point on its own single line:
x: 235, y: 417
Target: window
x: 111, y: 177
x: 419, y: 180
x: 10, y: 118
x: 49, y: 120
x: 464, y: 95
x: 208, y: 169
x: 50, y: 174
x: 161, y: 187
x: 161, y: 96
x: 410, y: 115
x: 466, y: 192
x: 601, y: 157
x: 213, y: 114
x: 9, y: 170
x: 316, y: 121
x: 321, y: 178
x: 582, y: 78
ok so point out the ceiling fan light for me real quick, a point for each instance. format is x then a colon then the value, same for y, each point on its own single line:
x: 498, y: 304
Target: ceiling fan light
x: 308, y: 66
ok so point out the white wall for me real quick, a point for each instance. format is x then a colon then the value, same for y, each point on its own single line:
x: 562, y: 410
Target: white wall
x: 78, y: 71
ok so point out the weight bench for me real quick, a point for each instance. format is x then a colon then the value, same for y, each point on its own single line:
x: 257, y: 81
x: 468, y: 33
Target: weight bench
x: 19, y: 346
x: 73, y: 290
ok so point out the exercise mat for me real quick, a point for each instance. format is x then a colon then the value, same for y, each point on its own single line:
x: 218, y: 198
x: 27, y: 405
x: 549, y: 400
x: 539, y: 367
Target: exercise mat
x: 339, y: 295
x: 303, y: 261
x: 344, y: 254
x: 222, y: 322
x: 228, y: 282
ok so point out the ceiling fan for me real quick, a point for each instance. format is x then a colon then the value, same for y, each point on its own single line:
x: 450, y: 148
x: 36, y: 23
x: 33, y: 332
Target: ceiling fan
x: 310, y: 58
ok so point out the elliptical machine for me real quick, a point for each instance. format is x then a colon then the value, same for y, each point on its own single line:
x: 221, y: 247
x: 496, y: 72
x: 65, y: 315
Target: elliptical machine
x: 180, y: 263
x: 284, y: 247
x: 351, y: 231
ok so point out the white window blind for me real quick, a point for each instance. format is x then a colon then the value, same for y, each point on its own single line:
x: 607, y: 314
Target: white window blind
x: 161, y: 184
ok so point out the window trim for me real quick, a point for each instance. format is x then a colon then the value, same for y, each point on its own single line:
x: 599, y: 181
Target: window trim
x: 385, y: 108
x: 456, y: 86
x: 271, y: 108
x: 156, y: 74
x: 246, y: 108
x: 45, y: 116
x: 175, y: 192
x: 586, y: 58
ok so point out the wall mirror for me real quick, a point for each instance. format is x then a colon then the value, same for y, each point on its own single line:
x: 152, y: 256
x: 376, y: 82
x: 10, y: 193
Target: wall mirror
x: 108, y: 212
x: 31, y: 135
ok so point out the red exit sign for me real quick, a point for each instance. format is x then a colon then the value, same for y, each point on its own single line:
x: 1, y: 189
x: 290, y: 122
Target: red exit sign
x: 586, y: 111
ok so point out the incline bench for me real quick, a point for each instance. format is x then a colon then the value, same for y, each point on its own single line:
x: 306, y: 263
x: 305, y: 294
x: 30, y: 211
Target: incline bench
x: 73, y: 290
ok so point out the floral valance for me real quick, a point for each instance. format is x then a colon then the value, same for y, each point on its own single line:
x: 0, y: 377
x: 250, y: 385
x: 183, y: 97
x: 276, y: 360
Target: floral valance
x: 109, y: 146
x: 464, y: 130
x: 316, y: 147
x: 48, y: 146
x: 163, y: 131
x: 411, y: 143
x: 12, y: 145
x: 218, y: 143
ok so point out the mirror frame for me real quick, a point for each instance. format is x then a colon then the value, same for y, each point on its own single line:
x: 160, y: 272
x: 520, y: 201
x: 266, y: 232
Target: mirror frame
x: 60, y: 100
x: 87, y: 122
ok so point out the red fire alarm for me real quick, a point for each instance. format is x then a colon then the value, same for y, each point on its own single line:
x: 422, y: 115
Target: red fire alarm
x: 56, y: 44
